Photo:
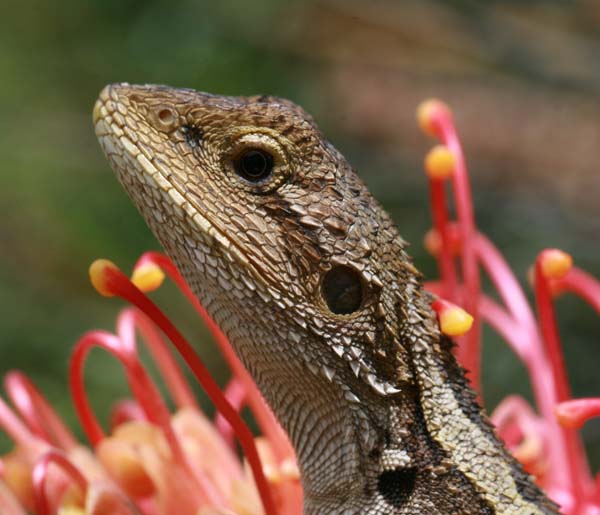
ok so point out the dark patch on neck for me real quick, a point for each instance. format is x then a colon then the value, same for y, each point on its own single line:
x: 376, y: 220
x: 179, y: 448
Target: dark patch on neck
x: 397, y: 485
x: 425, y: 452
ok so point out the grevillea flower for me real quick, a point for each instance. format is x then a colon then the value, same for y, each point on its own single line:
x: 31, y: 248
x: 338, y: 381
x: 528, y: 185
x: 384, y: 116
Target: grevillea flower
x: 153, y: 460
x: 543, y: 439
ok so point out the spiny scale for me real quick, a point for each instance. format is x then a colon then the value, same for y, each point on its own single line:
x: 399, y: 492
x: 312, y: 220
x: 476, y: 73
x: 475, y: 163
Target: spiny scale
x: 307, y: 276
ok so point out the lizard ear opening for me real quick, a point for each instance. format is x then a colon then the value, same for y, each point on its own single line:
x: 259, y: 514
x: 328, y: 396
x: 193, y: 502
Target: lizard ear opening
x: 342, y: 289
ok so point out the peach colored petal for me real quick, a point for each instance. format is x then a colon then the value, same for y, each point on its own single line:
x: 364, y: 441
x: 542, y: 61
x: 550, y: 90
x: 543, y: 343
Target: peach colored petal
x: 284, y: 478
x: 244, y: 497
x: 208, y: 453
x: 9, y: 502
x: 216, y: 511
x: 123, y: 464
x: 71, y: 510
x: 176, y: 491
x: 85, y: 460
x: 104, y: 498
x: 17, y: 476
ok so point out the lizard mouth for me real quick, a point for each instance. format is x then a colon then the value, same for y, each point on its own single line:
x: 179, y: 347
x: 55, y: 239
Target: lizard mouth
x: 136, y: 171
x: 97, y: 111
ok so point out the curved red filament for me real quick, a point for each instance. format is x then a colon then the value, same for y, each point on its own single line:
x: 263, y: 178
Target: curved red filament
x: 145, y: 392
x: 40, y: 475
x: 468, y: 350
x: 121, y: 286
x: 262, y: 413
x: 37, y: 413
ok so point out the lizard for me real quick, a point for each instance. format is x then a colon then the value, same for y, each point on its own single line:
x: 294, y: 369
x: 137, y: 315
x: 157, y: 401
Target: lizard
x: 310, y: 280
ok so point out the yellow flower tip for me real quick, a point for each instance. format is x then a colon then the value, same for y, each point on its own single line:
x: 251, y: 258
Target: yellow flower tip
x: 148, y: 277
x: 529, y: 450
x: 568, y: 416
x: 427, y: 112
x: 439, y: 163
x: 272, y: 474
x: 289, y: 469
x: 98, y: 276
x: 432, y: 242
x: 72, y: 501
x: 555, y: 263
x: 454, y: 321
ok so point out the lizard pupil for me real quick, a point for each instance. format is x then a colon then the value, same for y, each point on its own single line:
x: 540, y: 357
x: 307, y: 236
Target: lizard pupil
x: 254, y: 165
x: 342, y: 290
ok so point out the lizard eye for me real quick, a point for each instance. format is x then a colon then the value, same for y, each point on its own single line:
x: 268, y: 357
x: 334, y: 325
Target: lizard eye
x: 254, y: 165
x: 342, y: 290
x: 259, y: 163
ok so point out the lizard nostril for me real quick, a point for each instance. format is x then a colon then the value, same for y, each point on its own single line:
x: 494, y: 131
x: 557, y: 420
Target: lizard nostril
x: 397, y: 485
x: 166, y: 116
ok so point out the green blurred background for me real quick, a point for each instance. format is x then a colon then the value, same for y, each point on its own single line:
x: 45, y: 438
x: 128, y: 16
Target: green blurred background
x: 523, y: 78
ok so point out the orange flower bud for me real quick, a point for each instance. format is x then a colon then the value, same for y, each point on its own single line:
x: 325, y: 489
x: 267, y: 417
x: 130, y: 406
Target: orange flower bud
x: 148, y: 277
x: 454, y: 321
x: 97, y: 273
x: 439, y: 163
x: 555, y: 263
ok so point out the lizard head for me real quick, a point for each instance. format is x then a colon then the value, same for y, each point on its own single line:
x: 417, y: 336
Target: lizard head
x: 249, y: 198
x: 276, y: 234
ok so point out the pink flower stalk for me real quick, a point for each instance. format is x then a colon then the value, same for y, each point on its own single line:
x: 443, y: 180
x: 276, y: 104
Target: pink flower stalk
x: 154, y: 461
x: 545, y: 441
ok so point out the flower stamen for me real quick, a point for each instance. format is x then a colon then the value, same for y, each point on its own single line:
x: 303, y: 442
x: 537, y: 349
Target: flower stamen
x: 436, y: 119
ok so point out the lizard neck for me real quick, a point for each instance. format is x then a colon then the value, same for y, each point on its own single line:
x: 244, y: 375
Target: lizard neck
x: 360, y: 450
x: 457, y: 425
x: 328, y: 431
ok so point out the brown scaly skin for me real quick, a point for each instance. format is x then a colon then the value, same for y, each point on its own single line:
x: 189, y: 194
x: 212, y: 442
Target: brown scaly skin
x: 377, y: 409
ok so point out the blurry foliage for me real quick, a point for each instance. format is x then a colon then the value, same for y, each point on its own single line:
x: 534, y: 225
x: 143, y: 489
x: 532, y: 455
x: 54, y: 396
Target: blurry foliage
x: 522, y: 77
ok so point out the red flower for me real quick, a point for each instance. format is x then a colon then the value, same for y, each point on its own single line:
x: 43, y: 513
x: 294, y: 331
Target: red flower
x: 544, y: 441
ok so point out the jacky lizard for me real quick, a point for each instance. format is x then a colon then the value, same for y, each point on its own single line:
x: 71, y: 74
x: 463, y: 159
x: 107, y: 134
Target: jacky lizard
x: 308, y: 277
